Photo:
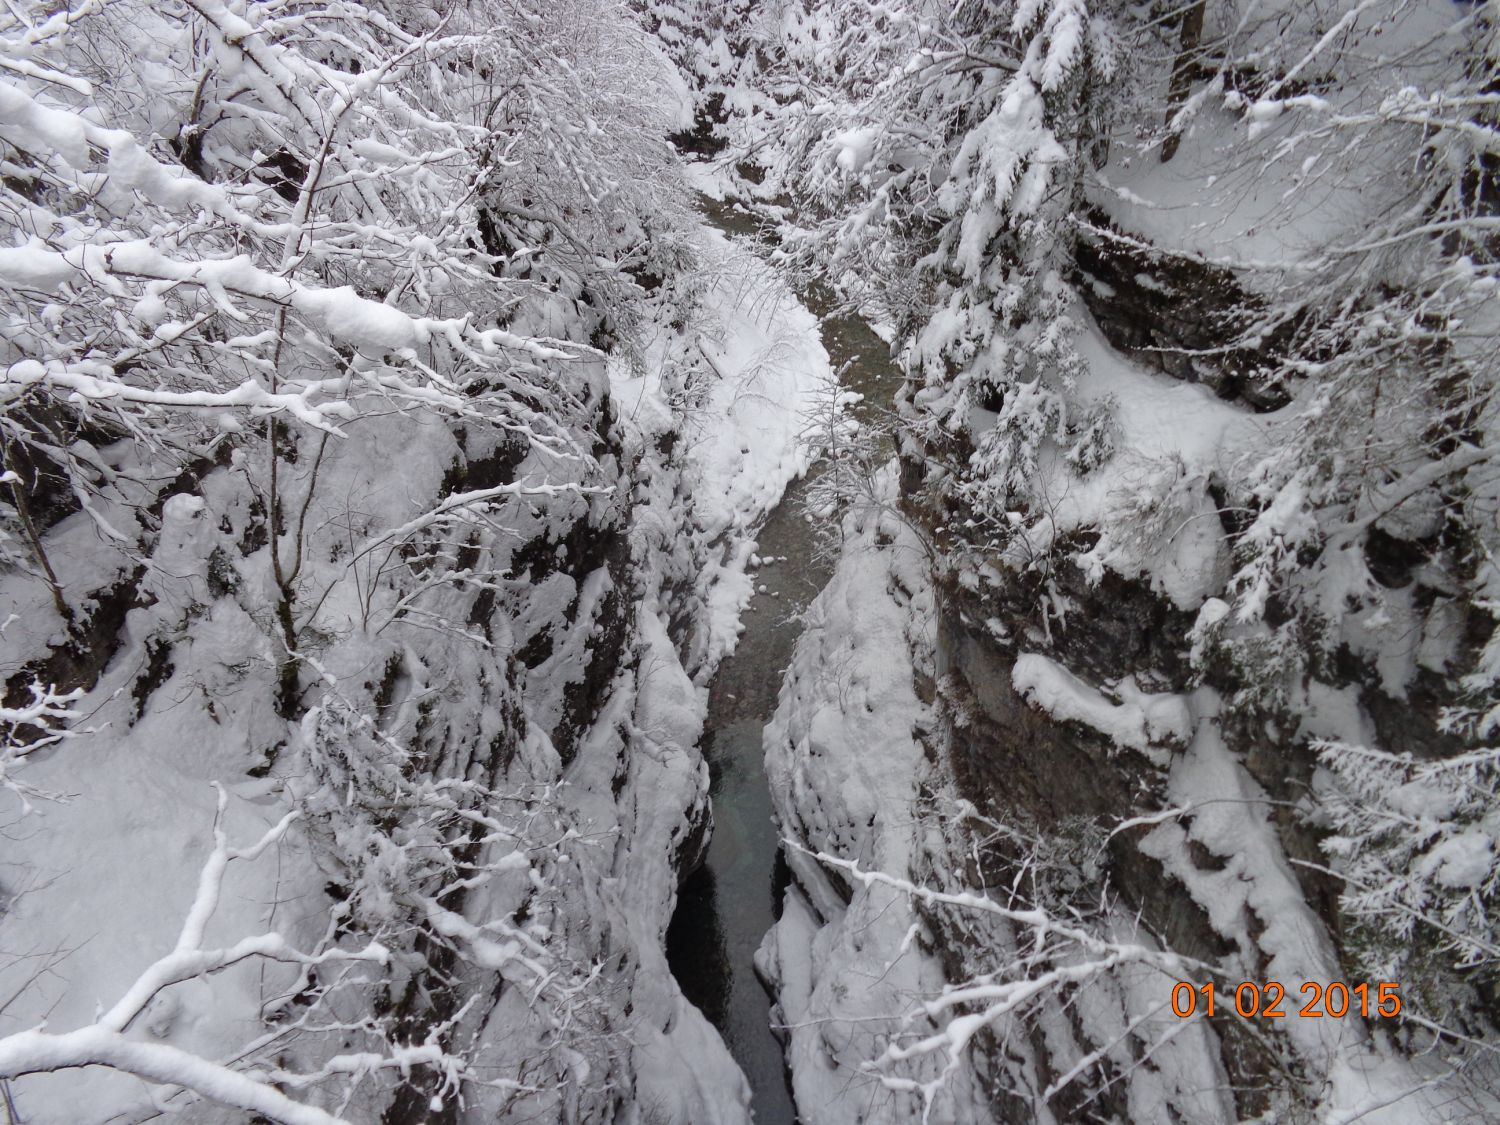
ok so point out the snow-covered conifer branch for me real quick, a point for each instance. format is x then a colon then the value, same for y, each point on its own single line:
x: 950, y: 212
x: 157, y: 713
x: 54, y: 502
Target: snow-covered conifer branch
x: 1415, y: 844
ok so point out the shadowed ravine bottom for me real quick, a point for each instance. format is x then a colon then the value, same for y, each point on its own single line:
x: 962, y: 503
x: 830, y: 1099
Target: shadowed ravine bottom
x: 727, y: 906
x: 724, y: 909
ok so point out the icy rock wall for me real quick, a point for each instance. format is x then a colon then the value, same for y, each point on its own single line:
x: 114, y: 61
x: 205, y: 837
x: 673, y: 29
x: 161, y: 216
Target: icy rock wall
x: 552, y: 685
x: 602, y: 687
x: 1163, y: 308
x: 1024, y: 766
x: 1041, y: 759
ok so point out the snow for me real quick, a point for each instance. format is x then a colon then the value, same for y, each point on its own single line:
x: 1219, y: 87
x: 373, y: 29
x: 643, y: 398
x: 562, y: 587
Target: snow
x: 1254, y: 185
x: 743, y: 442
x: 679, y: 1064
x: 1276, y: 185
x: 855, y: 147
x: 1231, y: 818
x: 1142, y: 721
x: 709, y: 180
x: 444, y: 632
x: 1386, y: 1088
x: 1172, y: 437
x: 771, y: 364
x: 1161, y: 417
x: 1462, y: 861
x: 1253, y: 890
x: 435, y: 634
x: 844, y: 765
x: 1214, y: 201
x: 140, y: 868
x: 851, y: 777
x: 158, y: 1062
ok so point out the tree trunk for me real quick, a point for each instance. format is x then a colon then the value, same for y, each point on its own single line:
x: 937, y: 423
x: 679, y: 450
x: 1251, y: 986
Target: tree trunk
x: 1182, y: 74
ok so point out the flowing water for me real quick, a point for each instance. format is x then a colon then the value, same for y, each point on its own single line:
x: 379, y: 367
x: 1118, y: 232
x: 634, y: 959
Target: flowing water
x: 729, y: 903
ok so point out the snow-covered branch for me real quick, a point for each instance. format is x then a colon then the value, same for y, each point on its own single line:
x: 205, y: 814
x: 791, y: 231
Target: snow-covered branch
x: 1048, y: 957
x: 106, y: 1043
x: 39, y: 722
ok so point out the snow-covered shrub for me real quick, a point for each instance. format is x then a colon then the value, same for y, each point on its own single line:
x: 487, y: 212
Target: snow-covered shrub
x: 710, y: 43
x: 1032, y: 948
x: 848, y: 448
x: 33, y: 725
x: 1056, y: 868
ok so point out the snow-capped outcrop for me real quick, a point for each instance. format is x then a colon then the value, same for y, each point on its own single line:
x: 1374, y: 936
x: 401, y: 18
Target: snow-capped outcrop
x: 847, y: 764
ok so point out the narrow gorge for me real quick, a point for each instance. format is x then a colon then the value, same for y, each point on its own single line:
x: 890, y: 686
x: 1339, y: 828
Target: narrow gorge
x: 733, y: 900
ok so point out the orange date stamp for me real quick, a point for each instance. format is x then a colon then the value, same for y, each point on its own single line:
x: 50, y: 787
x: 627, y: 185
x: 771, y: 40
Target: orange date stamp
x: 1271, y: 1001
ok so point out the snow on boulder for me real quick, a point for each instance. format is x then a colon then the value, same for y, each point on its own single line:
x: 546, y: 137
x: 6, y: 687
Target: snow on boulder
x: 1141, y: 721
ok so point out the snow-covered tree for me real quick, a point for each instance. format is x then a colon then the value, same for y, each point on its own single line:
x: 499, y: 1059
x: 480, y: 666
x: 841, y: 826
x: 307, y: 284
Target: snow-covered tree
x: 712, y: 44
x: 936, y: 155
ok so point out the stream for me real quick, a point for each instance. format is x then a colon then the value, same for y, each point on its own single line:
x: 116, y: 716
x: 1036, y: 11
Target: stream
x: 726, y: 907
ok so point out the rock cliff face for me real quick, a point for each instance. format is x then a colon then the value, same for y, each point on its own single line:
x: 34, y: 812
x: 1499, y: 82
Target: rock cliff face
x: 1175, y: 313
x: 551, y: 686
x: 1024, y: 761
x: 1025, y: 767
x: 595, y: 680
